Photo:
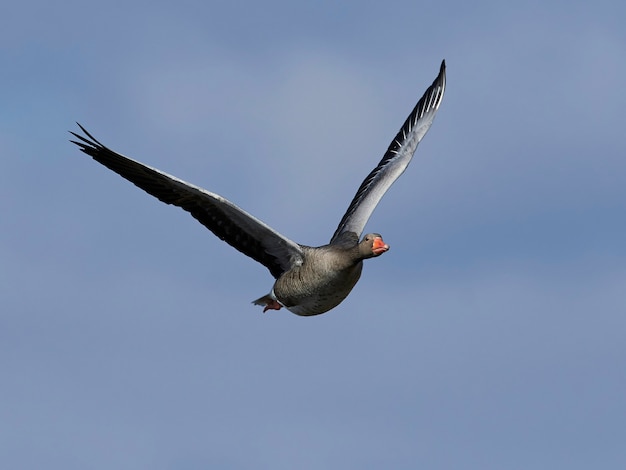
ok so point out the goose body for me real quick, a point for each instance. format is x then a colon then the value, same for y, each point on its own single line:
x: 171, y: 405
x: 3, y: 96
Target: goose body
x: 309, y: 280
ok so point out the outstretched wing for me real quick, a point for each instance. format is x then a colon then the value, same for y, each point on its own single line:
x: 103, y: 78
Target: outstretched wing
x: 395, y: 160
x: 230, y: 223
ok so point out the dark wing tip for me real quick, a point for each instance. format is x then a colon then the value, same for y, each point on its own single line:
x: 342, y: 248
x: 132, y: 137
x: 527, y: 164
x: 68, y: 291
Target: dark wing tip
x: 89, y: 145
x: 442, y: 72
x: 434, y: 95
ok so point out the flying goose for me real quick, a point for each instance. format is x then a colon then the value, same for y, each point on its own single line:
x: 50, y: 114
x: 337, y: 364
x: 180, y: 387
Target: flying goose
x: 309, y: 280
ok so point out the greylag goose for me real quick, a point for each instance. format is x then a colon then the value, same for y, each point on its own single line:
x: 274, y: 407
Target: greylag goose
x: 309, y: 280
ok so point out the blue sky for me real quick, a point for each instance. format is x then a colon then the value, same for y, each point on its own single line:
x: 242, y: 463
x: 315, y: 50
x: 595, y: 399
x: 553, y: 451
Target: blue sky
x: 490, y: 336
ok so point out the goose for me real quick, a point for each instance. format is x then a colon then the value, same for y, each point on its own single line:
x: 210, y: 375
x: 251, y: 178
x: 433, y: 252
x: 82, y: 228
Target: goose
x: 308, y: 280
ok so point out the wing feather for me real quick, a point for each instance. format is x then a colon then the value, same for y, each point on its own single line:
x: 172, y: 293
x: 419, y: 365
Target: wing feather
x: 395, y: 160
x: 228, y: 222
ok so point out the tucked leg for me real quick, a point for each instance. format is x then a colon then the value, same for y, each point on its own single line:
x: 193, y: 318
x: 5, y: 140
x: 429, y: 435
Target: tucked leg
x: 272, y: 305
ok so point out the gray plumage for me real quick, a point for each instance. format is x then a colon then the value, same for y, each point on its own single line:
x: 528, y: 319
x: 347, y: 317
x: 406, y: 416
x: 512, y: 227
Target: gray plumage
x: 309, y: 280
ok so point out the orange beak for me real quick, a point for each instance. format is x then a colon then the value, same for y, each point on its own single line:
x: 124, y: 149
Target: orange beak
x: 379, y: 246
